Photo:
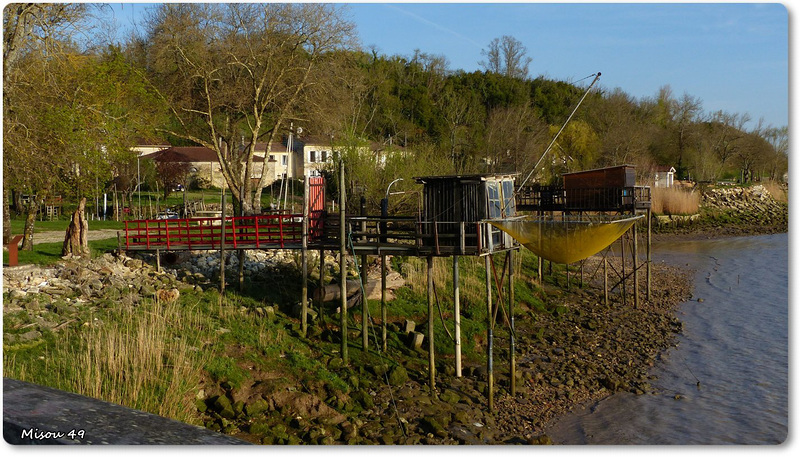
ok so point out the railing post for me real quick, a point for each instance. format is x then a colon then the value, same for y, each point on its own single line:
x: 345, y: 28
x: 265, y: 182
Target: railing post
x: 258, y: 236
x: 280, y: 229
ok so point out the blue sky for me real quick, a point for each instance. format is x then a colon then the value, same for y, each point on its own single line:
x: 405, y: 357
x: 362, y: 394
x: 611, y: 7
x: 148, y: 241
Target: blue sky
x: 734, y: 57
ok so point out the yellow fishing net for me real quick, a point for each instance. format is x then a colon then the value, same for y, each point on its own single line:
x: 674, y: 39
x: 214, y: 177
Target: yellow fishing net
x: 565, y: 241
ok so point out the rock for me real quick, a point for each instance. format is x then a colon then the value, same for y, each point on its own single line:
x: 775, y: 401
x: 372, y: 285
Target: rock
x: 541, y: 439
x: 398, y: 375
x: 222, y: 405
x: 363, y: 398
x: 430, y: 424
x: 168, y: 295
x: 415, y: 340
x: 256, y: 408
x: 335, y: 363
x: 409, y: 326
x: 449, y: 396
x: 259, y: 428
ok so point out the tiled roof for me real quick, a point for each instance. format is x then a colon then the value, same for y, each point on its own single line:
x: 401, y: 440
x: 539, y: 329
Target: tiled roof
x: 190, y: 154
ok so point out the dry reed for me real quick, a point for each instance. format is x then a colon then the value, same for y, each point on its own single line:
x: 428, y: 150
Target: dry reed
x: 143, y: 361
x: 673, y: 200
x: 776, y: 190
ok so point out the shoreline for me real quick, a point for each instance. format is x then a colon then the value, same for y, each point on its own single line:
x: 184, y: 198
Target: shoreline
x: 575, y: 357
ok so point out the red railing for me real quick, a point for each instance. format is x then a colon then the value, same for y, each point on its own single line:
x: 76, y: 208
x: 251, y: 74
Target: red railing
x: 264, y: 231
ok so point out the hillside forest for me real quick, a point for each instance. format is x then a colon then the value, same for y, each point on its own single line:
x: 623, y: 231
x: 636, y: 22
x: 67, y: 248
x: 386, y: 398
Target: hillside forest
x: 228, y: 76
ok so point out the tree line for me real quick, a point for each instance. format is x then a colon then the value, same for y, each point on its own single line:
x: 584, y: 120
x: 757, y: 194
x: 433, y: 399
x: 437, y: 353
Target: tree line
x: 229, y: 76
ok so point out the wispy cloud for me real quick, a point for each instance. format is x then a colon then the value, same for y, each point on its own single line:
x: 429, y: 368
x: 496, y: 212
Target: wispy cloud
x: 435, y: 25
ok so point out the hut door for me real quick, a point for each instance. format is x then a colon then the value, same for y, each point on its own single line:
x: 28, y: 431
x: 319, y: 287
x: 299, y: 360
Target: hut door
x: 316, y: 206
x: 495, y: 212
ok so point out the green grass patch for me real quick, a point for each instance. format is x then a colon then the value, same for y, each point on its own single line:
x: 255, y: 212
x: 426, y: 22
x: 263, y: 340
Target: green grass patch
x: 50, y: 253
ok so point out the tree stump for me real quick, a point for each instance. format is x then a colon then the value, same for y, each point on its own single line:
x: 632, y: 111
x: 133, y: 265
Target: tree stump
x: 76, y: 241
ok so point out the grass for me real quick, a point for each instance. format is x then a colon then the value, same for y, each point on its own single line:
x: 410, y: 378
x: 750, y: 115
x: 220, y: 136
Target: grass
x: 674, y: 201
x: 50, y: 253
x: 157, y: 356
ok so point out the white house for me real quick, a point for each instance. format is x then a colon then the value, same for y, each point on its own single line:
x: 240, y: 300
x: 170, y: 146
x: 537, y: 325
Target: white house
x: 663, y: 176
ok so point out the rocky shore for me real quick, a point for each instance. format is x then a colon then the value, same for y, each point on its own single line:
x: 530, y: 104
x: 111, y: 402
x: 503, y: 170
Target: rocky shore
x: 727, y: 211
x: 582, y: 351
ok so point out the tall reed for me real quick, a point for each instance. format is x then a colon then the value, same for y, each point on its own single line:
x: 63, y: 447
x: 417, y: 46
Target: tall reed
x: 674, y: 201
x: 143, y: 360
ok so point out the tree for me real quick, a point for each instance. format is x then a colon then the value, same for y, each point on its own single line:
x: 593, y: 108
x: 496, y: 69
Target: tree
x: 26, y: 26
x: 234, y: 75
x: 506, y: 56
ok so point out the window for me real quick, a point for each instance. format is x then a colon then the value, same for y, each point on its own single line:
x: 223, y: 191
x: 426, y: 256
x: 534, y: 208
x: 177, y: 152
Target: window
x: 312, y: 156
x: 284, y: 160
x: 272, y: 157
x: 510, y: 208
x: 324, y: 157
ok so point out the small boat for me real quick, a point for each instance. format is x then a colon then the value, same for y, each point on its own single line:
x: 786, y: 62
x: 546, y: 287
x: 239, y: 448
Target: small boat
x: 566, y: 240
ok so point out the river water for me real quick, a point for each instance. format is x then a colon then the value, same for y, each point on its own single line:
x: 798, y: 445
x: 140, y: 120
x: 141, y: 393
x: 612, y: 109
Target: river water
x: 726, y: 382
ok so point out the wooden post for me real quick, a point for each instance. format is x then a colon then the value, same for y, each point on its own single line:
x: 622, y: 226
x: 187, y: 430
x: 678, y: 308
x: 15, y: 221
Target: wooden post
x: 622, y: 286
x: 431, y: 356
x: 649, y: 243
x: 511, y: 300
x: 364, y: 305
x: 222, y: 249
x: 489, y: 333
x: 457, y: 314
x: 343, y: 263
x: 383, y: 303
x: 635, y: 255
x: 605, y: 280
x: 540, y: 272
x: 158, y: 260
x: 304, y: 261
x: 321, y: 283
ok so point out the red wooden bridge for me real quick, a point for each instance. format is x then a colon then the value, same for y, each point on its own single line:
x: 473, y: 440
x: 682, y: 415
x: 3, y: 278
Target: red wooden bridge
x: 266, y: 231
x: 283, y: 231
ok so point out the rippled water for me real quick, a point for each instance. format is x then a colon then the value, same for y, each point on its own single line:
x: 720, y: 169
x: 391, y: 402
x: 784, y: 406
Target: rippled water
x: 734, y: 344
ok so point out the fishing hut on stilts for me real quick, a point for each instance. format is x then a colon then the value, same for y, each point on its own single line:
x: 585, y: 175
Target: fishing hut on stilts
x: 478, y: 215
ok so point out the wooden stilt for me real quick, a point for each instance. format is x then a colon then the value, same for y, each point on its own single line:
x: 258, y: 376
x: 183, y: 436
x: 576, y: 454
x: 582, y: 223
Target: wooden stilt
x: 383, y: 303
x: 489, y: 334
x: 457, y: 315
x: 158, y: 260
x: 635, y: 255
x: 540, y: 271
x: 622, y: 244
x: 511, y: 303
x: 343, y: 263
x: 364, y: 304
x: 649, y: 244
x: 605, y: 281
x: 303, y: 262
x: 321, y: 283
x: 431, y: 356
x: 222, y: 249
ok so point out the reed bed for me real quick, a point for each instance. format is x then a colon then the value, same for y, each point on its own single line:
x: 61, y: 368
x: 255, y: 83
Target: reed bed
x: 777, y: 191
x: 674, y: 201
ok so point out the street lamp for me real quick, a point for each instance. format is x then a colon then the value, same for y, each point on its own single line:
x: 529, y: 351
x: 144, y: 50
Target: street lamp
x: 385, y: 209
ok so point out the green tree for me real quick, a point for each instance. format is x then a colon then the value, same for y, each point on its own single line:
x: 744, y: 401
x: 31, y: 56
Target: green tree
x: 235, y: 75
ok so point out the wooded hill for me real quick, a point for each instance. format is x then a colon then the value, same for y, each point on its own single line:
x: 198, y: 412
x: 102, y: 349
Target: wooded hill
x: 227, y: 76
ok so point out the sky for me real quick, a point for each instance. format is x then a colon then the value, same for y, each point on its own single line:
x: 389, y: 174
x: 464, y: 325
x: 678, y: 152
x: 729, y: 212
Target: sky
x: 734, y: 57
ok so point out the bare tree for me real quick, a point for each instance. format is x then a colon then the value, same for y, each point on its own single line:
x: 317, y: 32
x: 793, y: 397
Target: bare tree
x: 506, y: 56
x: 236, y: 74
